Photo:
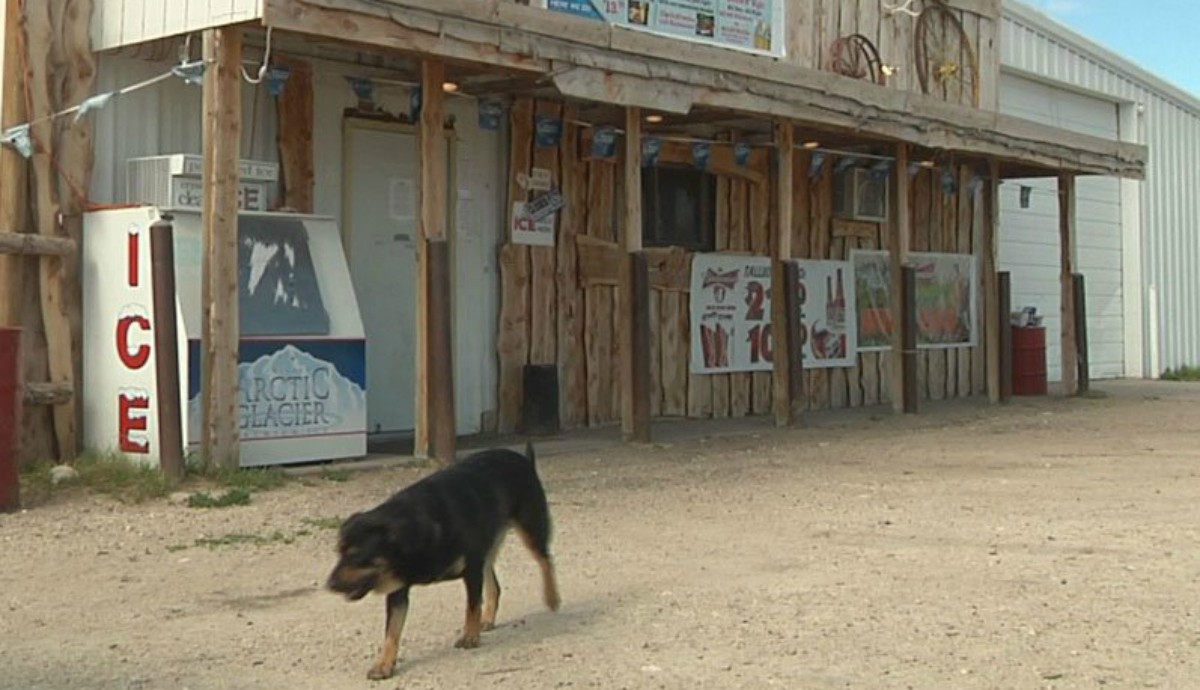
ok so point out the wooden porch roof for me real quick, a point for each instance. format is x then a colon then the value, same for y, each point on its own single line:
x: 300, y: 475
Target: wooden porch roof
x: 593, y: 61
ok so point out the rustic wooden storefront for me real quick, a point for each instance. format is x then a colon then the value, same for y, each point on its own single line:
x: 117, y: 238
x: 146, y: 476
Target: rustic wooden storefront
x: 570, y: 306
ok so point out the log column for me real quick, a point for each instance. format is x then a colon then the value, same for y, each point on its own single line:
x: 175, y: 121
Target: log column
x: 435, y: 433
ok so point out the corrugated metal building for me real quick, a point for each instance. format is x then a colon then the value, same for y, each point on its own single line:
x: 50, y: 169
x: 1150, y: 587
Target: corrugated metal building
x: 1137, y: 244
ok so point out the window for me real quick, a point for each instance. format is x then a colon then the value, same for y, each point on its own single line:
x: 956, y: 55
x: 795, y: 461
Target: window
x: 679, y: 208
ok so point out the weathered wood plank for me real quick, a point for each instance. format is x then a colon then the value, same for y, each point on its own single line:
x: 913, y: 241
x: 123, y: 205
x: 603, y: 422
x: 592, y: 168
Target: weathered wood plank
x: 598, y: 333
x: 656, y: 370
x: 920, y: 233
x: 572, y: 370
x: 781, y: 218
x: 898, y: 243
x: 28, y: 244
x: 295, y: 112
x: 819, y: 384
x: 724, y: 241
x: 435, y: 432
x: 543, y: 300
x: 53, y: 394
x: 1066, y: 238
x: 634, y: 331
x: 515, y: 272
x: 761, y: 397
x: 935, y: 361
x: 839, y: 379
x: 674, y: 354
x: 964, y: 222
x: 989, y: 253
x: 739, y: 239
x: 223, y: 112
x: 14, y: 194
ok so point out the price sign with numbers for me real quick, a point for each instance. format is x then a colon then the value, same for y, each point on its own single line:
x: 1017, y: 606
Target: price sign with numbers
x: 731, y: 314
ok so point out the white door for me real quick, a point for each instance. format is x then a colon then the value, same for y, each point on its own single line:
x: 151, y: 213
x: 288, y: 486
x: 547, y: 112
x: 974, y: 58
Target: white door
x: 1029, y: 237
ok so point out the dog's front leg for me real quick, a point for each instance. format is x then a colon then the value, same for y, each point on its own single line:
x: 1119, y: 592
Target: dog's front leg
x: 397, y: 612
x: 473, y: 579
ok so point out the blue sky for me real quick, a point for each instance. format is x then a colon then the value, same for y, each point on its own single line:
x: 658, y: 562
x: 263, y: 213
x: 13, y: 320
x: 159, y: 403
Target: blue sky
x: 1159, y: 35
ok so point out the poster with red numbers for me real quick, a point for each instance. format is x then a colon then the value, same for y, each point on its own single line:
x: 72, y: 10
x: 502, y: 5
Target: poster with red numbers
x: 730, y: 307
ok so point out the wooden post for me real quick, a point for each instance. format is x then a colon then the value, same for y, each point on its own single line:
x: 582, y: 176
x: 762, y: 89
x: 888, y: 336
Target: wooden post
x: 907, y: 324
x: 435, y: 432
x: 13, y: 193
x: 166, y: 349
x: 898, y: 248
x: 1081, y: 333
x: 786, y: 411
x: 222, y: 136
x: 1004, y: 302
x: 992, y: 316
x: 1066, y: 231
x: 635, y: 304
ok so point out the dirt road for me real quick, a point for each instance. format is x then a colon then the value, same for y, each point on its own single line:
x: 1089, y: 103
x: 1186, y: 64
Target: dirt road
x: 1048, y: 544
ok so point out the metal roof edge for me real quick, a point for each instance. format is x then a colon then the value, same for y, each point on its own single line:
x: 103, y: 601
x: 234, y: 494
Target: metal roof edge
x: 1026, y: 14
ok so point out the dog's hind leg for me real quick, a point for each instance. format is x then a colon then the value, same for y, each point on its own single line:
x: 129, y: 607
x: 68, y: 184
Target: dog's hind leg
x: 473, y: 579
x: 491, y: 588
x: 397, y: 612
x: 535, y: 533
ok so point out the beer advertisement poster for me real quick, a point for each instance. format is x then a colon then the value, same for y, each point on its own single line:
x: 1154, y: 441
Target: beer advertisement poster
x: 827, y: 314
x: 731, y: 314
x: 946, y: 300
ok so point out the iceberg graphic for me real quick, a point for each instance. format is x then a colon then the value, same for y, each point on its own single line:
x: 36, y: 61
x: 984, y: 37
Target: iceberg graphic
x: 291, y: 393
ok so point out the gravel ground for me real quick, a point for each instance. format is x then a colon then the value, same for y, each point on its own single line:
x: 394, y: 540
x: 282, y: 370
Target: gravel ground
x: 1046, y: 544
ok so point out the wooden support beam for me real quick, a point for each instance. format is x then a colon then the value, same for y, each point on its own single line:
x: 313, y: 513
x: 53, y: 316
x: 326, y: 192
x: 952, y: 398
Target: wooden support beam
x: 222, y: 99
x: 27, y: 244
x: 295, y: 112
x: 987, y: 260
x: 1081, y: 333
x: 13, y: 191
x: 906, y: 323
x: 787, y: 409
x: 39, y: 38
x: 634, y: 294
x: 1066, y: 232
x: 1004, y: 300
x: 166, y: 350
x: 435, y: 433
x: 36, y: 394
x: 898, y: 248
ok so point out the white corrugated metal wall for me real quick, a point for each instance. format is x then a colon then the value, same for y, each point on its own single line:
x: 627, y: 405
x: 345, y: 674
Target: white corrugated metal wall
x: 1167, y: 120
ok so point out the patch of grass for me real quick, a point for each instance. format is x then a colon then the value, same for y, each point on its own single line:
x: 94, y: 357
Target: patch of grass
x: 238, y: 538
x: 232, y: 497
x: 334, y: 474
x: 1182, y: 374
x: 112, y: 474
x: 252, y: 479
x: 331, y: 523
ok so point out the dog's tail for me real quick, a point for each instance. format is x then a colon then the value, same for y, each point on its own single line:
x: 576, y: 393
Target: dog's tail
x: 529, y: 452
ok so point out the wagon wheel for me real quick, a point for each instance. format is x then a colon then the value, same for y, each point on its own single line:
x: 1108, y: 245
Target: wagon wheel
x: 946, y: 63
x: 856, y: 57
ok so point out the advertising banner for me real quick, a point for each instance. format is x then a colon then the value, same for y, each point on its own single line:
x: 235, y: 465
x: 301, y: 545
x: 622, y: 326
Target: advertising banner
x: 730, y: 305
x: 946, y: 300
x: 750, y: 25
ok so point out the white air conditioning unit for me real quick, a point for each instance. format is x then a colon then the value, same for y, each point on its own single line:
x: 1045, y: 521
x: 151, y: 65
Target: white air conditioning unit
x: 175, y: 182
x: 861, y: 194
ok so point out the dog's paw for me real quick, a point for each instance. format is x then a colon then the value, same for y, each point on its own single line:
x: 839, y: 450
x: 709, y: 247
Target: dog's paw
x: 487, y: 626
x: 467, y: 642
x: 380, y: 672
x: 552, y: 600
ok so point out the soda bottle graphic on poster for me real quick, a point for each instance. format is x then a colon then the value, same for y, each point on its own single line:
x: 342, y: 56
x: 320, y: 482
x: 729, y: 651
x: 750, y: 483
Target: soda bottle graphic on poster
x: 837, y: 317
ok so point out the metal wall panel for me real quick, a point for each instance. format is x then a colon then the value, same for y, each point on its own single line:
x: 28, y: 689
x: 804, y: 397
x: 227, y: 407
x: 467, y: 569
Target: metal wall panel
x: 117, y: 23
x: 1033, y: 45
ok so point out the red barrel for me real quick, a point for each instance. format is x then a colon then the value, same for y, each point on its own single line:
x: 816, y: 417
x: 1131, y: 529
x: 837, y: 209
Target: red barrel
x: 1029, y: 360
x: 10, y: 418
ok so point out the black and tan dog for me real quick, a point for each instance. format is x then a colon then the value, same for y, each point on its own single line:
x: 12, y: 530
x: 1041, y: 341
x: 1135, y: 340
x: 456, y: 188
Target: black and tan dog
x: 447, y: 526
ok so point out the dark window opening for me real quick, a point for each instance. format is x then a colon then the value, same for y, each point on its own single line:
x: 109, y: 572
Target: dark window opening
x: 679, y: 208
